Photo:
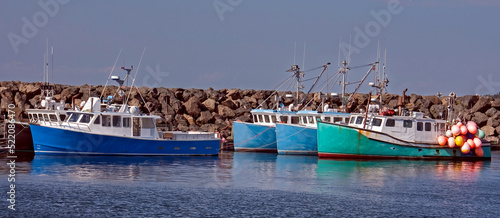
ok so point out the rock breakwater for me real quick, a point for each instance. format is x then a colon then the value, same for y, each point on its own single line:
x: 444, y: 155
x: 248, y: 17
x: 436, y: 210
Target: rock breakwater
x: 214, y: 110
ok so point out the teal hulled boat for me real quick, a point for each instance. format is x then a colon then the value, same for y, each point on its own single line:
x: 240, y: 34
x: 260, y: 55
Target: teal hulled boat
x: 377, y: 136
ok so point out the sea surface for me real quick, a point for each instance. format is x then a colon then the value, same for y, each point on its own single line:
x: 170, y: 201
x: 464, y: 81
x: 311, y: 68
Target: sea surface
x: 249, y: 185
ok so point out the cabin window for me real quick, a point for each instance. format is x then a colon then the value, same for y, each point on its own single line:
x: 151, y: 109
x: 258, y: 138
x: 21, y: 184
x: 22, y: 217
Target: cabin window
x: 390, y: 122
x: 376, y: 122
x: 295, y: 120
x: 117, y: 121
x: 97, y: 120
x: 352, y: 120
x: 284, y: 119
x: 62, y: 117
x: 45, y: 117
x: 407, y: 123
x: 428, y: 126
x: 126, y: 122
x: 420, y: 126
x: 359, y: 120
x: 327, y: 119
x: 40, y: 117
x: 136, y: 127
x: 311, y: 119
x: 347, y: 120
x: 442, y: 127
x: 260, y: 119
x: 30, y: 116
x: 86, y: 118
x: 337, y: 119
x: 74, y: 117
x: 273, y: 118
x: 106, y: 120
x: 53, y: 117
x: 148, y: 123
x: 255, y: 118
x: 266, y: 119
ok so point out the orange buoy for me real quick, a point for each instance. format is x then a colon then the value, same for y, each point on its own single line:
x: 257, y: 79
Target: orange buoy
x: 471, y: 143
x: 465, y: 148
x: 448, y: 133
x: 479, y: 151
x: 471, y: 123
x: 459, y: 141
x: 442, y: 140
x: 451, y: 142
x: 477, y: 142
x: 455, y: 130
x: 472, y: 128
x: 463, y: 130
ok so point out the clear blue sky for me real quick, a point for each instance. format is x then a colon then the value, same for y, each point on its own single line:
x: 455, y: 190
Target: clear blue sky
x: 432, y: 46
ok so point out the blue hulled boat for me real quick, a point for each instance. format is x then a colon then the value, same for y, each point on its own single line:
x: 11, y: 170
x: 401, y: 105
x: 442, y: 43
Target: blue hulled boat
x: 260, y: 135
x: 113, y: 129
x: 300, y: 137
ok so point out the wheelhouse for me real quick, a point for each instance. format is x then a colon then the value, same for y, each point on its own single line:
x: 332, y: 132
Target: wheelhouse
x: 415, y: 128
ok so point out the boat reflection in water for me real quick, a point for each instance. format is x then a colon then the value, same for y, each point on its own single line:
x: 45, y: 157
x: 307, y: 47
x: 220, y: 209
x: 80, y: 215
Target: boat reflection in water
x: 175, y: 169
x: 383, y: 174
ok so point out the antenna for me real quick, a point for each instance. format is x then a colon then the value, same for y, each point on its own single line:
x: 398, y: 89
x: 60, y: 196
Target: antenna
x: 52, y: 65
x: 294, y: 51
x: 304, y: 56
x: 110, y: 73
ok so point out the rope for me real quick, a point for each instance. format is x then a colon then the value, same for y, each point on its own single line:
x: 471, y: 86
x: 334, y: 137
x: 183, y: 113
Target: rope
x: 256, y: 135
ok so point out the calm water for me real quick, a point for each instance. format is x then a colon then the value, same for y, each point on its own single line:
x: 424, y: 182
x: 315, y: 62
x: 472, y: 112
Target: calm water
x: 251, y: 184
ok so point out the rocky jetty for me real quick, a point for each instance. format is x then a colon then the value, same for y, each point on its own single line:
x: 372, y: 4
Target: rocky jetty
x: 214, y: 110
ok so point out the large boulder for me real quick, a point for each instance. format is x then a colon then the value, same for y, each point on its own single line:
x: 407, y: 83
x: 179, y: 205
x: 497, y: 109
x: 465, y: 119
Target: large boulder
x: 437, y: 111
x: 20, y: 100
x: 467, y: 101
x: 6, y: 97
x: 230, y: 104
x: 193, y: 106
x: 497, y: 130
x: 496, y: 103
x: 482, y: 105
x: 480, y: 119
x: 491, y: 112
x: 206, y: 117
x: 226, y: 111
x: 488, y: 130
x: 178, y: 107
x: 189, y: 118
x: 30, y: 90
x: 210, y: 104
x: 234, y: 94
x: 215, y: 95
x: 493, y: 122
x: 69, y: 92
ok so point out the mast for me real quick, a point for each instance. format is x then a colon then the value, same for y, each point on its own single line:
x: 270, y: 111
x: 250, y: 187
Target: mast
x: 344, y: 70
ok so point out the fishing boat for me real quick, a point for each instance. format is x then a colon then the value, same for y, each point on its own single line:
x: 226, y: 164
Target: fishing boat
x: 383, y: 135
x: 102, y: 127
x: 260, y: 135
x: 301, y: 137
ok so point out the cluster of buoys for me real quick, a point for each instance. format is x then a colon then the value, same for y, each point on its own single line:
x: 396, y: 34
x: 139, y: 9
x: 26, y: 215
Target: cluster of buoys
x: 467, y: 137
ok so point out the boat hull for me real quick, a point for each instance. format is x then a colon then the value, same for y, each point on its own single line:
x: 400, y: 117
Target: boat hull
x: 295, y: 139
x: 49, y: 140
x: 339, y: 141
x: 254, y: 138
x: 22, y: 137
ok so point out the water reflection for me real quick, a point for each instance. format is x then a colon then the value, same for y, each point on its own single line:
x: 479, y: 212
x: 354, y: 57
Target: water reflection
x: 255, y: 171
x: 22, y: 163
x: 140, y: 168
